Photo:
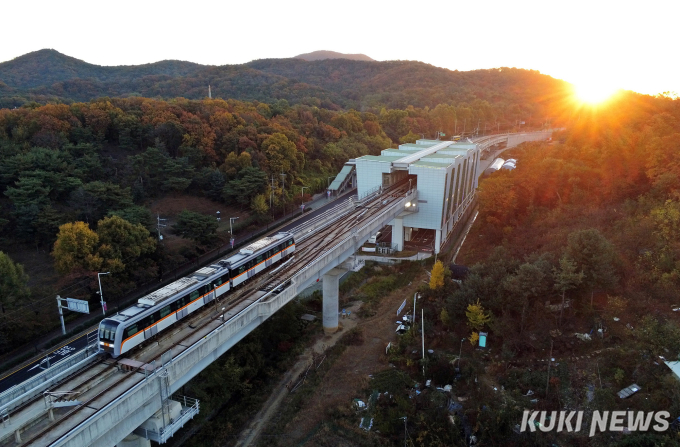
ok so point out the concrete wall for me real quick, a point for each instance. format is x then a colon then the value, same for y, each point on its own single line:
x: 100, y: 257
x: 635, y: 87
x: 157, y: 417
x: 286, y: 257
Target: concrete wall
x: 516, y: 139
x: 369, y: 174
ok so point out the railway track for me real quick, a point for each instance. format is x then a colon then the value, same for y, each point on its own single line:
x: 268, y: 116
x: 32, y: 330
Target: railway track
x: 92, y: 386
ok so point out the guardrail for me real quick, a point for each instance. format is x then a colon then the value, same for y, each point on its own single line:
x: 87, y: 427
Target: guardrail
x: 367, y: 194
x: 27, y: 390
x: 324, y: 219
x: 190, y: 408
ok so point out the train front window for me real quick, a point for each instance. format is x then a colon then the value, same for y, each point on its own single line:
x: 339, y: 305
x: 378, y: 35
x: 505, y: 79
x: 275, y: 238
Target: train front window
x: 107, y: 330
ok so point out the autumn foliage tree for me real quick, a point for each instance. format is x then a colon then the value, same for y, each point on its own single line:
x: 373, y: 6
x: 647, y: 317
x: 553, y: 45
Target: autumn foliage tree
x: 76, y: 246
x: 437, y: 276
x: 116, y: 246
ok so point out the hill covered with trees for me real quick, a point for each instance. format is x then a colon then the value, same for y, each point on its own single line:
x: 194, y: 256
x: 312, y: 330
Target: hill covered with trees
x: 48, y: 76
x: 324, y: 54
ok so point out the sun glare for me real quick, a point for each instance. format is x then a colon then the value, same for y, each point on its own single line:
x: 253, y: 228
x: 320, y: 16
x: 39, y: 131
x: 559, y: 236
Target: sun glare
x: 594, y: 92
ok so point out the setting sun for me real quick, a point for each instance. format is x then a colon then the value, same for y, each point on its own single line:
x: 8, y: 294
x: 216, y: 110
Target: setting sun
x: 594, y: 92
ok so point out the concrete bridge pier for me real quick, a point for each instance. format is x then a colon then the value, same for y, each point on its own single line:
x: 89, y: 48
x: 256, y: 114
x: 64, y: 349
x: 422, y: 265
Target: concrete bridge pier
x: 398, y: 233
x: 437, y: 240
x: 331, y: 308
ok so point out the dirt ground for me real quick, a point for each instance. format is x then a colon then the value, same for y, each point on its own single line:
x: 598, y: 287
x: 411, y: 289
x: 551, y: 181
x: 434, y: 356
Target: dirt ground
x: 347, y: 377
x: 259, y: 423
x: 169, y: 207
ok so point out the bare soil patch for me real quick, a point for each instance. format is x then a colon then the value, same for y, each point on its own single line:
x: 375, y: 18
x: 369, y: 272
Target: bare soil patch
x: 349, y: 375
x: 171, y: 206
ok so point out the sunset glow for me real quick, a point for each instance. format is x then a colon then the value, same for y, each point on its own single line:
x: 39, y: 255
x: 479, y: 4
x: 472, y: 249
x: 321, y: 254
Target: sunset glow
x: 594, y: 91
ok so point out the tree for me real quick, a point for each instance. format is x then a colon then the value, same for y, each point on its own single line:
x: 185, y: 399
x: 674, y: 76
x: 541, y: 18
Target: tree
x: 199, y: 227
x: 76, y: 245
x: 250, y: 182
x: 526, y: 285
x: 122, y: 243
x: 595, y: 256
x: 13, y: 282
x: 474, y: 338
x: 94, y: 199
x: 476, y: 316
x: 136, y: 215
x: 444, y: 317
x: 566, y: 278
x: 409, y: 138
x: 282, y: 155
x: 437, y: 276
x: 260, y: 208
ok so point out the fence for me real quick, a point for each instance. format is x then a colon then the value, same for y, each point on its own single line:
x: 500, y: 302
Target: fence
x: 25, y: 391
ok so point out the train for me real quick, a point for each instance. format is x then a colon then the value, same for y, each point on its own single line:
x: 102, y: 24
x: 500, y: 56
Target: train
x: 160, y: 310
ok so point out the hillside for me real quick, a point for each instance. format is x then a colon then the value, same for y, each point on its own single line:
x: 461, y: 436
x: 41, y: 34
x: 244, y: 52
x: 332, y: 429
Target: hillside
x: 323, y: 54
x: 46, y: 67
x: 48, y: 76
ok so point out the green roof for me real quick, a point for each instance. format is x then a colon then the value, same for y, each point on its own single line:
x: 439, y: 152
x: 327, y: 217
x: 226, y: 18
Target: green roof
x: 385, y: 158
x: 342, y: 175
x: 430, y: 164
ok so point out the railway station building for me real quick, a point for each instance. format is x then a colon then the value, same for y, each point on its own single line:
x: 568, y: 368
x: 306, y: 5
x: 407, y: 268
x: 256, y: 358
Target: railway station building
x: 444, y: 174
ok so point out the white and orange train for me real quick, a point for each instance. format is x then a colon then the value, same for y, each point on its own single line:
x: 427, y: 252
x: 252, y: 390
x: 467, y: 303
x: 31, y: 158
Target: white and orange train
x: 161, y: 309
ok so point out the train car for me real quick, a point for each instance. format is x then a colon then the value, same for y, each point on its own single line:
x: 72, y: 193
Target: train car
x: 161, y: 309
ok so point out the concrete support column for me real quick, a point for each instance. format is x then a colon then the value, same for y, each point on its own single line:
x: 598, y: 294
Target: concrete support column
x: 398, y: 233
x: 331, y: 307
x: 437, y: 240
x: 407, y: 233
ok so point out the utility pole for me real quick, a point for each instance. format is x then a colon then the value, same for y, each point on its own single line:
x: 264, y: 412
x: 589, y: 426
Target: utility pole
x: 422, y: 336
x: 283, y: 192
x: 101, y: 296
x: 271, y: 197
x: 549, y: 362
x: 159, y: 225
x: 413, y: 319
x: 405, y: 432
x: 302, y: 194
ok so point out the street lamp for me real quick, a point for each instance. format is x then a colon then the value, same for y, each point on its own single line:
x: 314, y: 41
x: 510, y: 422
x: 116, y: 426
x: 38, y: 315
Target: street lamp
x: 231, y: 231
x: 101, y: 297
x: 329, y: 181
x: 460, y: 353
x: 415, y: 297
x: 302, y: 193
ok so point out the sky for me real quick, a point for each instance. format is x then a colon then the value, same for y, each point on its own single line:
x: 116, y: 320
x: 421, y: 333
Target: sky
x: 595, y: 43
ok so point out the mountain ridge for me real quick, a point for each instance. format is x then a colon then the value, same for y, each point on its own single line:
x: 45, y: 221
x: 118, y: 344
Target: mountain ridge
x: 49, y: 76
x: 325, y: 54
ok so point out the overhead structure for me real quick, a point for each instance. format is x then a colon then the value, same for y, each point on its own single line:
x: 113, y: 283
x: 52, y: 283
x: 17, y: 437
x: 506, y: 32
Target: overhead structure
x: 346, y: 178
x: 443, y: 173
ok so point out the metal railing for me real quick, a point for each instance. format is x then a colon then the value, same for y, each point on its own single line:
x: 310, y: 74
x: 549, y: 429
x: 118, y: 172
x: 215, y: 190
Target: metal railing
x: 369, y: 193
x: 190, y: 408
x: 324, y: 219
x: 27, y: 390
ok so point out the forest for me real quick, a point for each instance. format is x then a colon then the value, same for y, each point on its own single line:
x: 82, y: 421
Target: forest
x: 574, y: 256
x: 587, y: 224
x: 49, y: 76
x: 79, y: 180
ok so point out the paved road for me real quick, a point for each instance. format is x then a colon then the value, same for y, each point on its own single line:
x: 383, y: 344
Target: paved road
x: 59, y: 353
x: 74, y: 345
